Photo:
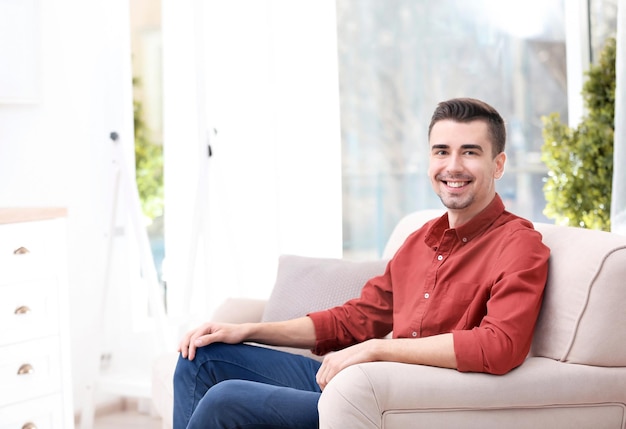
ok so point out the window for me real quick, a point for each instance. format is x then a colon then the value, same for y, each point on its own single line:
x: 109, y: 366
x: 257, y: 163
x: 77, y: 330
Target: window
x: 602, y: 24
x: 398, y: 59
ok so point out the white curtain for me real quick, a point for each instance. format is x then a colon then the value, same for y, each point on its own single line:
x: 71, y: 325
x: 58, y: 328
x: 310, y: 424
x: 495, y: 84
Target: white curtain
x: 618, y: 198
x: 273, y: 183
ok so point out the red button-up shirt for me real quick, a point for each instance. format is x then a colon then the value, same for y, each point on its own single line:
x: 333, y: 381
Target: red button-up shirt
x: 482, y: 281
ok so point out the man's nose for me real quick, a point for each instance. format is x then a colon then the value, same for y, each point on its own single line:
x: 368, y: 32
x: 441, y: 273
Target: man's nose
x: 455, y: 163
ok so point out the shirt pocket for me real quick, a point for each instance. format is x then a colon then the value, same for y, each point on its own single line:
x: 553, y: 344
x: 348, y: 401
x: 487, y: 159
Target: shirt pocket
x: 458, y: 305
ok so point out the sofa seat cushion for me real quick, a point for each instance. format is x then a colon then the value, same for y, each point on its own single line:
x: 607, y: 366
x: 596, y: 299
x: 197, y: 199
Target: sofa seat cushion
x: 580, y: 321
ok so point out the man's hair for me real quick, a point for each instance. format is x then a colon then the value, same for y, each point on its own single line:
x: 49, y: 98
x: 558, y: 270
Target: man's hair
x: 468, y: 110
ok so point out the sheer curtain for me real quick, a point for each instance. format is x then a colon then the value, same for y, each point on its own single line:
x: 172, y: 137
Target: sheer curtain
x: 618, y: 197
x: 264, y: 75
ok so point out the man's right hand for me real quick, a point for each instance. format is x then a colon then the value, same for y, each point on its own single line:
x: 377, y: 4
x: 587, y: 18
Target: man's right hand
x: 298, y: 332
x: 209, y: 333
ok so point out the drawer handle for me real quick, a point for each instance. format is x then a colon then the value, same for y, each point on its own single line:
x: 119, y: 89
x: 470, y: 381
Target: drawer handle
x: 25, y: 369
x: 29, y: 425
x: 21, y: 251
x: 22, y: 309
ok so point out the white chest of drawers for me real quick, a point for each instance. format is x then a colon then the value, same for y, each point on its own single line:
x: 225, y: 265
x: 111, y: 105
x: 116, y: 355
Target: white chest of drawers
x: 35, y: 370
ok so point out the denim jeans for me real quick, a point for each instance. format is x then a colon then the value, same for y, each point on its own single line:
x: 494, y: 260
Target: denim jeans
x: 243, y: 386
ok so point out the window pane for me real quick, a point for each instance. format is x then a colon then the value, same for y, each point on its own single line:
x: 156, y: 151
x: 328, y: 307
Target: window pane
x: 398, y: 59
x: 602, y: 24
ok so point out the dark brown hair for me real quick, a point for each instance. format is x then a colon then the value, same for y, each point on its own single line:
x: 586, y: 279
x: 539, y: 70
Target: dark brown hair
x: 468, y: 110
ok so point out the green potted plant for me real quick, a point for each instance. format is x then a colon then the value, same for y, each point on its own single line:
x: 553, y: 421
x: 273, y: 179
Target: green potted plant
x: 148, y: 165
x: 580, y: 160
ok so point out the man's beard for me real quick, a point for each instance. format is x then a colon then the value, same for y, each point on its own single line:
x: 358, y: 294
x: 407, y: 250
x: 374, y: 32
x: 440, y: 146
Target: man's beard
x: 452, y: 202
x: 456, y: 203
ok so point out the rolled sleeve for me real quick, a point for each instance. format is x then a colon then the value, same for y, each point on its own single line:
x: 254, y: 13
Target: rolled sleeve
x: 325, y: 332
x: 469, y: 357
x: 357, y: 320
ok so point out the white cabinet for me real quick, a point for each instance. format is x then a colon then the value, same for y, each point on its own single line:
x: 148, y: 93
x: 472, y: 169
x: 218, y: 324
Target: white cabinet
x: 35, y: 380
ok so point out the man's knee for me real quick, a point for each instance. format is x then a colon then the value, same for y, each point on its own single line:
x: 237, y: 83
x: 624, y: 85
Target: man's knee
x: 204, y: 357
x: 222, y: 406
x: 226, y: 394
x: 182, y: 366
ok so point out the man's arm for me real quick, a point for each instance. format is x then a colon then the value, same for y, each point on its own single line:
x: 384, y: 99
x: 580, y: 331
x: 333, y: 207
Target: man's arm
x: 291, y: 333
x: 504, y: 336
x: 437, y: 350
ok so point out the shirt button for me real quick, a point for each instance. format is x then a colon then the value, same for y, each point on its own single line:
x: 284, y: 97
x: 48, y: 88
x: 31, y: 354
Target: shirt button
x: 426, y: 295
x: 464, y: 239
x: 414, y: 334
x: 439, y: 257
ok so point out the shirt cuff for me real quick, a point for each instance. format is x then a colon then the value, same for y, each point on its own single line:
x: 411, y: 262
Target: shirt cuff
x: 325, y: 338
x: 469, y: 356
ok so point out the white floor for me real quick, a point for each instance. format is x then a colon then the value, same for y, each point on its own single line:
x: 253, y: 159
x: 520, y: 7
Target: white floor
x: 127, y: 420
x: 125, y: 415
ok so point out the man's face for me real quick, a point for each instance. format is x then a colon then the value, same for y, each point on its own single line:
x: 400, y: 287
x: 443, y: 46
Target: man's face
x: 462, y: 168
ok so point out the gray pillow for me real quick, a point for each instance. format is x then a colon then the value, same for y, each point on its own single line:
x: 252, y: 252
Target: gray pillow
x: 307, y: 284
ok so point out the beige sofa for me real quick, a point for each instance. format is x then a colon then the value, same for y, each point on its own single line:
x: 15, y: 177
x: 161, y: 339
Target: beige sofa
x: 574, y: 377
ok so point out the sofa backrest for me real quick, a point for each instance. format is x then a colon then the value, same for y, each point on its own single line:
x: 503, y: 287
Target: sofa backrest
x: 583, y: 318
x: 407, y: 225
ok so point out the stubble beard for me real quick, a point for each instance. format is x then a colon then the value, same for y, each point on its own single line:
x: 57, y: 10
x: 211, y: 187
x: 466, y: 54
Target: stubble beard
x: 454, y: 203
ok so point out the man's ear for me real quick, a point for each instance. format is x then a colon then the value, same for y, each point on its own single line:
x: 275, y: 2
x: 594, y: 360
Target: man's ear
x: 500, y: 160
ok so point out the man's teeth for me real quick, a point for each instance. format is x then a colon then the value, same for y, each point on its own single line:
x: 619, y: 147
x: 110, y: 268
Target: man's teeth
x: 456, y: 184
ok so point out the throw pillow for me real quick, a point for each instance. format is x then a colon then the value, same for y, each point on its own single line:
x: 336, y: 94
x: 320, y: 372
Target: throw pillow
x: 307, y: 284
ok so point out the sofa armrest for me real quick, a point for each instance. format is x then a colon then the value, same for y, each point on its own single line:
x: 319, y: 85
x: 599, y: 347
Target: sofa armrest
x: 162, y: 387
x: 540, y: 393
x: 239, y: 310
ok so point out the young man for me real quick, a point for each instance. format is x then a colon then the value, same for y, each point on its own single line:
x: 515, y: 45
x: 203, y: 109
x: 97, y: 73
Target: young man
x: 462, y: 292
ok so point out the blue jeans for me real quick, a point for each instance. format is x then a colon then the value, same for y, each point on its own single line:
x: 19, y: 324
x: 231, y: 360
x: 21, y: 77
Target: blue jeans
x: 243, y: 386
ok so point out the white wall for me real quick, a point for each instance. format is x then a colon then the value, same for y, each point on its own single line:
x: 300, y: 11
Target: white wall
x: 274, y: 183
x: 57, y: 152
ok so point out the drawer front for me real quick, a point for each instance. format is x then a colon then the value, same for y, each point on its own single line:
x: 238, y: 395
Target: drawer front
x: 41, y: 413
x: 29, y: 370
x: 27, y: 251
x: 28, y: 310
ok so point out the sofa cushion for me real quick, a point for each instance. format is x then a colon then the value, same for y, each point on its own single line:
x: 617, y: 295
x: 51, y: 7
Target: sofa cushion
x: 581, y: 321
x: 307, y: 284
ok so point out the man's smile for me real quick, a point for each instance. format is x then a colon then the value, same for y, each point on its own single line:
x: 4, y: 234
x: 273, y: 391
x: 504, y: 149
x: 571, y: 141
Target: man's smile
x: 452, y: 184
x: 457, y: 181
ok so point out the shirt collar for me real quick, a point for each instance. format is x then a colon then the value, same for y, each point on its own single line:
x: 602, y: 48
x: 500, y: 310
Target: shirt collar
x: 468, y: 230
